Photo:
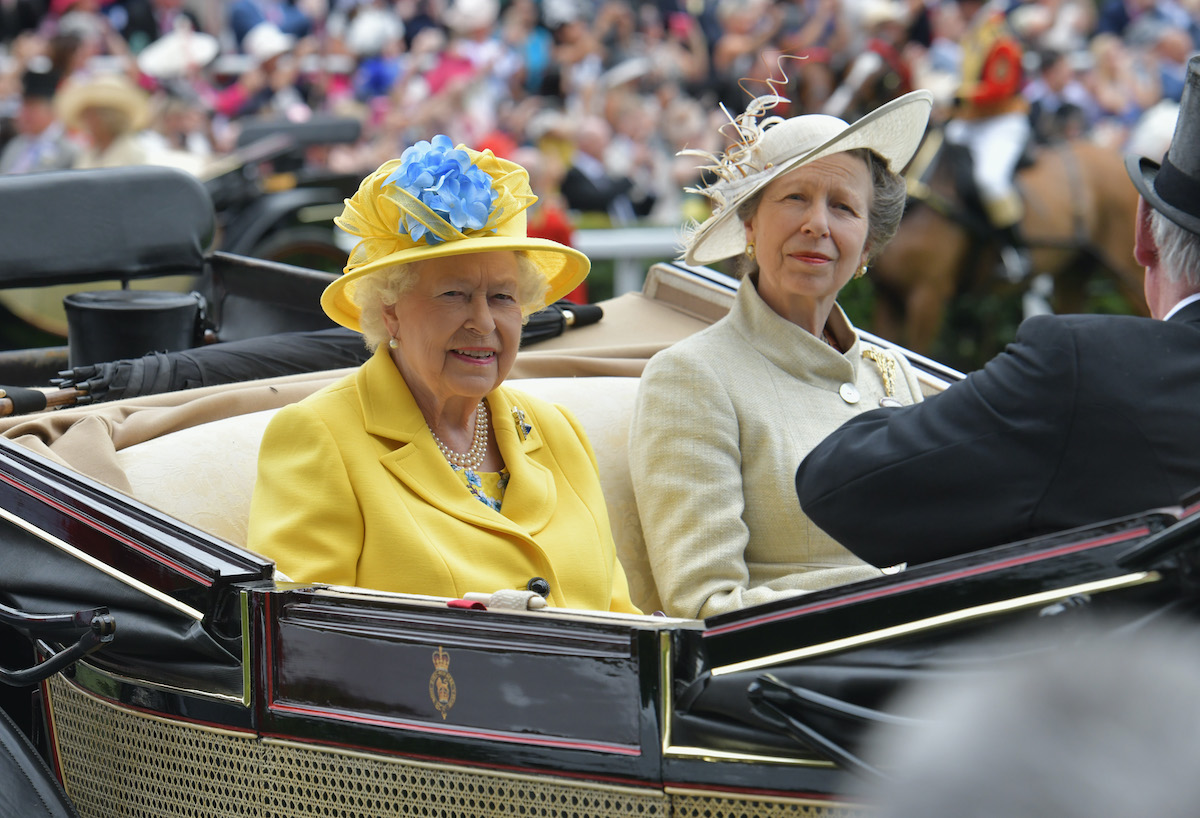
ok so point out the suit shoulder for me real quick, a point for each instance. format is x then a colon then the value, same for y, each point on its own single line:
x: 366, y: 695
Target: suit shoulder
x: 1097, y: 329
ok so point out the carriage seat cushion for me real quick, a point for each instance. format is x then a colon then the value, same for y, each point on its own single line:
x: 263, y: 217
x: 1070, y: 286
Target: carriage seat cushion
x: 204, y: 475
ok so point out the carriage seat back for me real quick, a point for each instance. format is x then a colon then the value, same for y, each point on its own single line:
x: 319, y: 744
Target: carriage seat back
x: 73, y: 226
x: 204, y: 475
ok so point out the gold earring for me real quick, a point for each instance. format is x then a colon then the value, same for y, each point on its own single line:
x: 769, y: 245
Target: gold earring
x: 393, y: 343
x: 750, y: 250
x: 860, y: 272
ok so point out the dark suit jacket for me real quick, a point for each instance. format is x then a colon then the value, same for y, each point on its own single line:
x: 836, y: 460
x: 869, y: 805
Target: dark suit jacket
x: 1082, y: 418
x: 589, y: 195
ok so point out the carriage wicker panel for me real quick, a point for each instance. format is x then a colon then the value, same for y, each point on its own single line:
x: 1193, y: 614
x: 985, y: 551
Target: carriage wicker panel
x: 307, y: 781
x: 708, y: 805
x: 121, y: 763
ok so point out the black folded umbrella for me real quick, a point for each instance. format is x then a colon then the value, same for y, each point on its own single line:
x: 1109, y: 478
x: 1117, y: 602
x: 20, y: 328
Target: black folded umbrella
x: 554, y: 319
x: 269, y: 356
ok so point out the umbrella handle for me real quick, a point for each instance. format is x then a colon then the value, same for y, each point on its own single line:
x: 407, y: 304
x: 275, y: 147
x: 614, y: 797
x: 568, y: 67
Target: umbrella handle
x: 19, y: 400
x: 580, y: 315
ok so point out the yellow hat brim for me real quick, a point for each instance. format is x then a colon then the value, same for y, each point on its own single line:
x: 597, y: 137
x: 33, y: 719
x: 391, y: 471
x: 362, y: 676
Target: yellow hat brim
x: 565, y: 269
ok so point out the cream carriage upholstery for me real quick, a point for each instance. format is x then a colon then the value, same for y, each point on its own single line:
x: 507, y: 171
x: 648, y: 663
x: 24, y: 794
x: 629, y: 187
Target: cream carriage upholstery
x: 203, y: 475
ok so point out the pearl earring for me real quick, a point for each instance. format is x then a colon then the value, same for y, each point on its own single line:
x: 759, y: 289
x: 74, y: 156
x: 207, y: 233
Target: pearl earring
x: 750, y: 250
x: 860, y: 272
x: 393, y: 343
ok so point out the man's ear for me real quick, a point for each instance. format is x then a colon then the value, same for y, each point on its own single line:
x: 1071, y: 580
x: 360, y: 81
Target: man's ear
x: 1145, y: 249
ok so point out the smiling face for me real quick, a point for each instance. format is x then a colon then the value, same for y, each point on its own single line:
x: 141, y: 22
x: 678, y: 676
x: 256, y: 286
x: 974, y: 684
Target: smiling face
x: 458, y: 329
x: 810, y: 233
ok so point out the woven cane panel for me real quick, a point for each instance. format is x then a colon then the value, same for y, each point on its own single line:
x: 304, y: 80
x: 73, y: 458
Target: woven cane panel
x: 310, y: 782
x: 708, y: 806
x: 118, y: 763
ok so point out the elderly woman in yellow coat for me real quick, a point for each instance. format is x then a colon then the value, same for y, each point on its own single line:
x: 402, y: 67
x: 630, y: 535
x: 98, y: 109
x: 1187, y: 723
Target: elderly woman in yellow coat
x: 421, y: 472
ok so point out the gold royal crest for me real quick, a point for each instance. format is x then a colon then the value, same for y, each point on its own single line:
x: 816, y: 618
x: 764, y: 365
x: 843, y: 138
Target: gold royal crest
x: 441, y: 683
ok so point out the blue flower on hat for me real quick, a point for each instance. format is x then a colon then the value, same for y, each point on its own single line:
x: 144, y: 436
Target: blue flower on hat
x: 443, y: 179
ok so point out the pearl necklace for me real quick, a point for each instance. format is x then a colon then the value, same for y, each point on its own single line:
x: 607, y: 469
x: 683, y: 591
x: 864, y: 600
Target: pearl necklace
x: 473, y: 459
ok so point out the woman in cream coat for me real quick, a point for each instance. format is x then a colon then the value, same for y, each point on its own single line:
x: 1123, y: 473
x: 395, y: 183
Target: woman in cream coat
x: 724, y: 417
x: 420, y: 472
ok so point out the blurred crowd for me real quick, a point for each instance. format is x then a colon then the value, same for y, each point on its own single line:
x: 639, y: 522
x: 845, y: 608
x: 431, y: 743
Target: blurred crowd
x: 596, y: 97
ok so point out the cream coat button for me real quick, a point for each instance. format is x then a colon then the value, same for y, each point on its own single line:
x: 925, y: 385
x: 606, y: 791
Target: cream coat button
x: 889, y: 402
x: 849, y: 392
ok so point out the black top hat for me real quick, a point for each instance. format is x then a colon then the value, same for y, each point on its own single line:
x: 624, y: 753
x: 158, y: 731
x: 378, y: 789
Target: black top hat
x: 1173, y: 188
x: 39, y: 84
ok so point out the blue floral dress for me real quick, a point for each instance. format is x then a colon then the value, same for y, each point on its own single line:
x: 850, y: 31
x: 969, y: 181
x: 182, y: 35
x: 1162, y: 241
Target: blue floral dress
x: 486, y: 486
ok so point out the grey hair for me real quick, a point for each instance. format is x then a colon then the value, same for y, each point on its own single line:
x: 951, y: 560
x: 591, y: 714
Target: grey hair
x: 889, y: 195
x: 1178, y: 249
x: 380, y: 289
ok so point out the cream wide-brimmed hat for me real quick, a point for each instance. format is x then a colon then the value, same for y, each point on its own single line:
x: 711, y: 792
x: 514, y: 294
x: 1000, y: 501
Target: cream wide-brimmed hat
x: 440, y: 200
x: 179, y: 51
x: 265, y: 41
x: 114, y: 91
x: 465, y: 16
x: 765, y: 149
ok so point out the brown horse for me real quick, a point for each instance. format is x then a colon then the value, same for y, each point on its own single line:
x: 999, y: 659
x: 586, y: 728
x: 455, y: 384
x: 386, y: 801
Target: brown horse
x: 1080, y: 209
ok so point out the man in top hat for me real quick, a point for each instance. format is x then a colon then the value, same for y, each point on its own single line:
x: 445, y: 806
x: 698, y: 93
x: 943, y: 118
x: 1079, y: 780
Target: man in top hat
x: 1082, y: 418
x: 41, y: 142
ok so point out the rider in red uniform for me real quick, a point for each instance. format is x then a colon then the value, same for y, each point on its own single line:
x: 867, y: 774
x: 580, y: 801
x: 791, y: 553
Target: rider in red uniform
x: 992, y: 120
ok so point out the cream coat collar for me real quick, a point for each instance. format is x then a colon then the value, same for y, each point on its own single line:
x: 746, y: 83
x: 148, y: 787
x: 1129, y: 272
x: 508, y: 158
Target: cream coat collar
x: 793, y: 349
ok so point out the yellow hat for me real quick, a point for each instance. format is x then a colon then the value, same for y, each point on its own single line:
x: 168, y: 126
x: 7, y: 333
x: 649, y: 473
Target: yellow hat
x: 437, y: 200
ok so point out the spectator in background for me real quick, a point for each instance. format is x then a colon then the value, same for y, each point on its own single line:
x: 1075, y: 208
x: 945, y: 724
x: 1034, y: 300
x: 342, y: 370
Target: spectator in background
x: 272, y: 84
x: 1124, y: 84
x: 108, y: 110
x: 473, y: 71
x: 1166, y: 49
x: 590, y: 187
x: 747, y: 28
x: 1061, y: 26
x: 816, y: 31
x: 522, y: 31
x: 244, y: 15
x: 677, y: 50
x: 41, y: 142
x: 20, y: 16
x: 578, y: 61
x: 1060, y: 106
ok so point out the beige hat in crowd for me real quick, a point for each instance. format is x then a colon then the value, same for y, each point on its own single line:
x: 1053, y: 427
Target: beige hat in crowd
x: 112, y: 91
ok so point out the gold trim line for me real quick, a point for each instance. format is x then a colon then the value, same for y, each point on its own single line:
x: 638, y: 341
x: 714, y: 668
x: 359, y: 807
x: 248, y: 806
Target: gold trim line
x: 940, y: 620
x: 138, y: 585
x: 706, y: 754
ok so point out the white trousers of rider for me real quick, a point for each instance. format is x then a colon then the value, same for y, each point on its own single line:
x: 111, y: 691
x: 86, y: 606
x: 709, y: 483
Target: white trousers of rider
x: 995, y: 144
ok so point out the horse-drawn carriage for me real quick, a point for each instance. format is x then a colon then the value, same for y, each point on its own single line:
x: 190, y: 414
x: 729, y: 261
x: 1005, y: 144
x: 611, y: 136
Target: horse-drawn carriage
x: 185, y: 677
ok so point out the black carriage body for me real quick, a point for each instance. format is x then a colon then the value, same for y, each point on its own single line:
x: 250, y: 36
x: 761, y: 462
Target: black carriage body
x: 225, y: 687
